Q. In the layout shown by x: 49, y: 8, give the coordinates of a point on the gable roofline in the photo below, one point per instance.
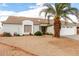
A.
x: 19, y: 19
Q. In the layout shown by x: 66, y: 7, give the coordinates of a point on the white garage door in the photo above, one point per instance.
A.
x: 28, y: 28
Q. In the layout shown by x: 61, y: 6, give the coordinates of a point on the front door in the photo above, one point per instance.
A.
x: 43, y: 29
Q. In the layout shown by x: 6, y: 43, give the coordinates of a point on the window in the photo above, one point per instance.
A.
x: 27, y: 28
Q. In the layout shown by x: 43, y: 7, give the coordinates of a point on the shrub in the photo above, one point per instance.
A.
x: 30, y: 34
x: 38, y: 33
x: 15, y: 34
x: 6, y: 34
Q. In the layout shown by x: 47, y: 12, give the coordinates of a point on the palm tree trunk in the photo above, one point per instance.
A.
x: 57, y: 27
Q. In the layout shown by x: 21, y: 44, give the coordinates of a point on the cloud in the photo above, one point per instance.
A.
x: 39, y: 4
x: 4, y: 5
x: 32, y: 7
x: 31, y: 13
x: 4, y: 14
x: 3, y: 18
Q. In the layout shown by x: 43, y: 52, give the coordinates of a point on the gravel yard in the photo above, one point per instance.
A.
x: 39, y: 45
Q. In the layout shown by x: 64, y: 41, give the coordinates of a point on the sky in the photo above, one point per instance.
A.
x: 17, y: 7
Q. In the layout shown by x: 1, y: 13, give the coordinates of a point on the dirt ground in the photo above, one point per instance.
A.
x: 7, y: 50
x: 39, y: 45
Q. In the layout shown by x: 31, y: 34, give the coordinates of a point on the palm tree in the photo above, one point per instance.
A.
x: 58, y: 11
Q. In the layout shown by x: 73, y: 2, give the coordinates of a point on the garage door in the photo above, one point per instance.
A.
x: 28, y: 28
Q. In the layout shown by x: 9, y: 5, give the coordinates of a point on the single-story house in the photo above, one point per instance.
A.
x: 27, y: 25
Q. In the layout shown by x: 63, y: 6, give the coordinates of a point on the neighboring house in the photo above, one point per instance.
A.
x: 26, y: 25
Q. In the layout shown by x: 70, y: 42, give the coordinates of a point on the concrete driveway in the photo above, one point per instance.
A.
x: 76, y: 37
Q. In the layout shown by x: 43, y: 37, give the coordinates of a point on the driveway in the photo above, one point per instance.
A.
x: 76, y: 37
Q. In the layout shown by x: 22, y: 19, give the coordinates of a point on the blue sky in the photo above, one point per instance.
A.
x: 23, y: 6
x: 16, y: 6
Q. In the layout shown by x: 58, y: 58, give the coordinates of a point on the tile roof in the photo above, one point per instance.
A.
x: 18, y: 20
x: 36, y: 21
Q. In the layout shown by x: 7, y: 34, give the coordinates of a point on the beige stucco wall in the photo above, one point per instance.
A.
x: 64, y: 30
x: 36, y: 28
x: 12, y: 28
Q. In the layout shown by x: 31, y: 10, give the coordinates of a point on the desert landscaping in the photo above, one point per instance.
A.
x: 45, y: 45
x: 11, y: 51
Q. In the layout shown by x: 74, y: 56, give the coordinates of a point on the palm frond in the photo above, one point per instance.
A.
x: 48, y: 10
x: 48, y: 5
x: 70, y: 19
x: 61, y: 10
x: 43, y: 10
x: 73, y: 11
x: 65, y: 5
x: 60, y: 7
x: 66, y: 21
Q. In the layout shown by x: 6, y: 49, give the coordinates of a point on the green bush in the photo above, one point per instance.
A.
x: 5, y: 34
x: 38, y: 33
